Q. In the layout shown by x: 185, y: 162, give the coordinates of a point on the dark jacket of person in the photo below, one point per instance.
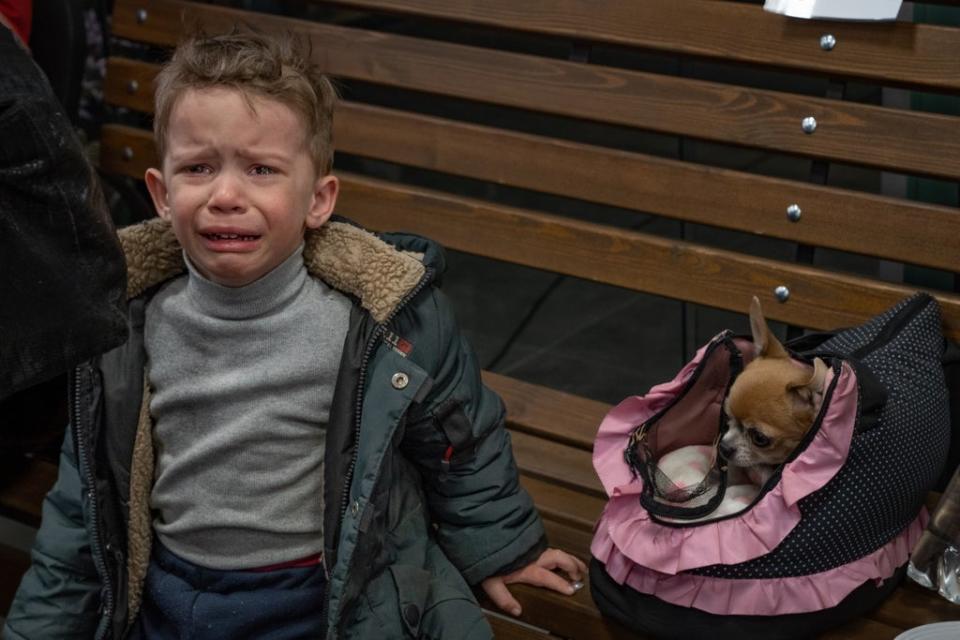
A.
x: 421, y: 490
x: 61, y: 268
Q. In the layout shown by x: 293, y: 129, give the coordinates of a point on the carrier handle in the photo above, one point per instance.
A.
x: 810, y: 342
x: 684, y: 513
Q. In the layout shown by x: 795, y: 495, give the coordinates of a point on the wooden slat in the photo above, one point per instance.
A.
x: 569, y: 616
x: 542, y: 411
x: 572, y: 539
x: 129, y: 83
x: 884, y: 227
x: 901, y: 53
x: 714, y: 277
x: 127, y: 150
x: 911, y: 606
x: 505, y: 630
x: 562, y: 504
x: 552, y: 462
x: 862, y: 134
x: 873, y: 225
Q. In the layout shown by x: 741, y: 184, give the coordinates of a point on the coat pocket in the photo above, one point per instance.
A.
x: 410, y: 602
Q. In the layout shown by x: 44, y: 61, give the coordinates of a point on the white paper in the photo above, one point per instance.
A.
x: 836, y: 9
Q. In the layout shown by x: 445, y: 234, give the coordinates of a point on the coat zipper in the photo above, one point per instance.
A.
x: 361, y: 380
x: 96, y: 547
x: 357, y: 411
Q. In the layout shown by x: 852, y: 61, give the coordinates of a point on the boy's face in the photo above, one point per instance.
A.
x: 238, y: 185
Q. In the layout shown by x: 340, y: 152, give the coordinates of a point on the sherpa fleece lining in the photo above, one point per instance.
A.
x: 346, y: 257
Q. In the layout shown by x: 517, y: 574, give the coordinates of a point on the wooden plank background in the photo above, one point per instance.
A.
x: 719, y: 278
x: 909, y: 54
x: 876, y: 225
x: 913, y: 142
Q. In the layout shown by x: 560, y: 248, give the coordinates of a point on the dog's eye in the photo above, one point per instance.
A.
x: 758, y: 438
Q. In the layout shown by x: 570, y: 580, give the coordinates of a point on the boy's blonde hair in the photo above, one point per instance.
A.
x: 256, y: 65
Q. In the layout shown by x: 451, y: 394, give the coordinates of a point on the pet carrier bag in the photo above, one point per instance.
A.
x: 824, y: 539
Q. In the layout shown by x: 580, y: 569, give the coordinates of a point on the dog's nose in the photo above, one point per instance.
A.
x: 725, y: 451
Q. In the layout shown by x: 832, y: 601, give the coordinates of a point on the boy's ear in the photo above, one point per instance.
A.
x: 158, y: 192
x: 325, y: 191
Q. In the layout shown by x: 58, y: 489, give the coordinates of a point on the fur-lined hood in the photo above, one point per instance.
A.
x: 346, y: 257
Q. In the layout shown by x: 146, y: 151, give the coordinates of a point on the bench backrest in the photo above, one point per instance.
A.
x: 595, y: 117
x: 581, y: 107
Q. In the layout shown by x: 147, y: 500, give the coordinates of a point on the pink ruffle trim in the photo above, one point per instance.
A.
x: 772, y: 596
x: 626, y: 530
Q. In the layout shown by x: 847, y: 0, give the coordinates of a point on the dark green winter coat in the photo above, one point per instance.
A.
x: 421, y: 493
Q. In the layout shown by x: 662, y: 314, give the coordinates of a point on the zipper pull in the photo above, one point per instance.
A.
x: 447, y: 456
x: 445, y: 463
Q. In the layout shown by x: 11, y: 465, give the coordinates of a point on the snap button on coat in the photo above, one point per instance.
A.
x: 400, y: 380
x: 412, y: 614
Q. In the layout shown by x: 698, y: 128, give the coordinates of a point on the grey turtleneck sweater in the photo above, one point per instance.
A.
x: 242, y: 382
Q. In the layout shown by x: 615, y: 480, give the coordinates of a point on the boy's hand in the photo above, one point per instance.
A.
x: 540, y: 574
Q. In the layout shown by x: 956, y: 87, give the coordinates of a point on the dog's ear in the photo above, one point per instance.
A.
x: 767, y: 345
x: 806, y: 392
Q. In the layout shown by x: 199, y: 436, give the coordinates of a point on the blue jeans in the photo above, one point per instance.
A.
x: 182, y: 600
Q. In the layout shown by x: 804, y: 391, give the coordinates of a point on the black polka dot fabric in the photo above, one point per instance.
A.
x: 891, y: 466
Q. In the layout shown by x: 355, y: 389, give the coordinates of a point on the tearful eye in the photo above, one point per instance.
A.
x: 261, y: 170
x: 758, y: 439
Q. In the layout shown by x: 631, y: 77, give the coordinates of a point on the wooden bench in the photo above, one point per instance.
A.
x: 545, y: 134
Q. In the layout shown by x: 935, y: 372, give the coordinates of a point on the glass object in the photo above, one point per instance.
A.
x: 935, y: 561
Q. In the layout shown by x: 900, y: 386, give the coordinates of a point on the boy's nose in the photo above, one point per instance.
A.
x: 227, y: 195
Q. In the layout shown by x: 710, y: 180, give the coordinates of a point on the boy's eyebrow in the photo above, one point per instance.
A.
x: 176, y: 159
x: 199, y: 151
x: 182, y: 151
x: 264, y: 155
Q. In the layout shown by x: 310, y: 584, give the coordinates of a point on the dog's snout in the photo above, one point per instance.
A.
x: 726, y: 451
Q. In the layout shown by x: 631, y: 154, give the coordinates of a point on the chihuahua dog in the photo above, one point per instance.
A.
x: 771, y: 405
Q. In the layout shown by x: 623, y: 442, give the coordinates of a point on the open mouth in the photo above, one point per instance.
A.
x: 229, y: 236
